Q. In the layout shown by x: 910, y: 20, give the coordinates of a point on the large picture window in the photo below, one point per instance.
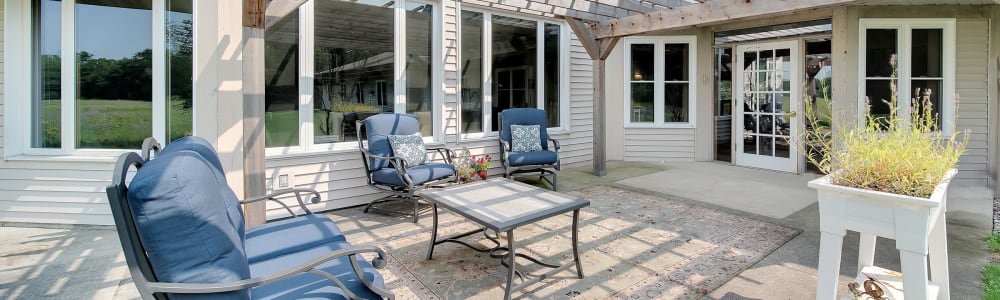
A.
x: 509, y: 62
x: 115, y: 78
x: 336, y: 62
x: 920, y: 53
x: 659, y: 89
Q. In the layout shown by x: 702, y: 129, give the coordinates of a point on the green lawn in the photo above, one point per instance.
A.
x: 116, y: 124
x: 991, y: 273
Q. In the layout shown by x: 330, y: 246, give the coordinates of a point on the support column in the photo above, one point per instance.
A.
x: 600, y: 143
x: 598, y: 51
x: 218, y: 80
x: 253, y: 111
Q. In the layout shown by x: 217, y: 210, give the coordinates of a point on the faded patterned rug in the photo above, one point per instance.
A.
x: 633, y: 245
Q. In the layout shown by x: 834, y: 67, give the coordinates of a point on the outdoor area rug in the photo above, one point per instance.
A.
x: 633, y: 245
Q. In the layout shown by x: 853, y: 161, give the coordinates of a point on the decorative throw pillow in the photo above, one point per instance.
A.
x: 409, y: 147
x: 525, y: 138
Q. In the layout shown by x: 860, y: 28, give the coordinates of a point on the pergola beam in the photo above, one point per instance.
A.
x: 278, y: 9
x: 708, y: 13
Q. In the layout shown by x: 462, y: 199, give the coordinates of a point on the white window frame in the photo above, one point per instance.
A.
x: 18, y: 57
x: 658, y: 81
x: 397, y: 97
x: 487, y: 69
x: 904, y: 33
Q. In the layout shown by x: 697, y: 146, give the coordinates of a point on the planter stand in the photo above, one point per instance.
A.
x: 917, y: 225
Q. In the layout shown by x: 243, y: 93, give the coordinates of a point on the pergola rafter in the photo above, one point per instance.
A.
x: 706, y: 13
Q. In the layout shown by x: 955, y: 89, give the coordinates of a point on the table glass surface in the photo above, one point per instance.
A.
x: 503, y: 204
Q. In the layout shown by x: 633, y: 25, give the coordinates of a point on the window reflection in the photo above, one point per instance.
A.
x: 419, y: 94
x: 472, y: 70
x: 47, y: 104
x: 515, y: 47
x: 180, y: 36
x: 114, y: 83
x: 281, y: 88
x: 353, y: 67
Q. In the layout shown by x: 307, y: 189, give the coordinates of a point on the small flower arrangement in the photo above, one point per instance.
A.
x: 471, y: 166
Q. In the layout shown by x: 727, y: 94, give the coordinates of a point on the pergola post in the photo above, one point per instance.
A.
x: 253, y: 111
x: 598, y: 51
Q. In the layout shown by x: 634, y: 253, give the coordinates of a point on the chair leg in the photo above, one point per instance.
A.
x: 416, y: 205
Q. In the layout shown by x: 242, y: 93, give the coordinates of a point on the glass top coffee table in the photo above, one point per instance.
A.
x: 503, y: 205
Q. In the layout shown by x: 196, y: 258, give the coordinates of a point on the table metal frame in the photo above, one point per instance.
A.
x: 508, y: 258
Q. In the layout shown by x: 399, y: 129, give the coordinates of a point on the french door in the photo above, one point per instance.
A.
x: 767, y: 90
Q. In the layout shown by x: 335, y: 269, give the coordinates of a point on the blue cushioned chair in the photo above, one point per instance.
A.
x: 542, y: 163
x: 183, y: 235
x: 389, y: 173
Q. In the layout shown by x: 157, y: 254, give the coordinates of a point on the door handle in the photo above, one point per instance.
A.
x: 792, y: 114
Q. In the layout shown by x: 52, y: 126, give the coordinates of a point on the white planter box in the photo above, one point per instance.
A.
x: 917, y: 225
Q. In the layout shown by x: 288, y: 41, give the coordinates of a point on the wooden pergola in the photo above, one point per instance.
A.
x: 598, y: 25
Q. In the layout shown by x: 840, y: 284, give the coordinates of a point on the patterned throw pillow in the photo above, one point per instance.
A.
x: 410, y: 148
x: 525, y: 138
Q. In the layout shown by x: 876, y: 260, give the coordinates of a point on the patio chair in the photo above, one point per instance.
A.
x: 183, y: 236
x: 524, y: 146
x: 395, y: 160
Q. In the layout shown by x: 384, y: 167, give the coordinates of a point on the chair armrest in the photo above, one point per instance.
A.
x: 555, y: 143
x: 443, y: 150
x: 396, y: 161
x: 204, y: 288
x: 298, y: 196
x: 504, y: 153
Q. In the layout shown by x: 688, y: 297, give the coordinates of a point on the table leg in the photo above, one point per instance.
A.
x: 434, y: 231
x: 866, y: 250
x: 510, y: 259
x: 576, y: 250
x: 829, y: 264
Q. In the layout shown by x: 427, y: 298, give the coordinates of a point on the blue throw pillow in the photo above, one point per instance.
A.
x: 525, y: 138
x: 410, y: 148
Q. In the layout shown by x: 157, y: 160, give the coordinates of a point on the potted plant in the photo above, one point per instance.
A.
x: 886, y: 177
x: 482, y: 165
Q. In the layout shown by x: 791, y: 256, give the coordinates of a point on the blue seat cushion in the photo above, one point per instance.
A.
x: 544, y: 157
x: 312, y: 286
x: 419, y: 175
x: 196, y: 144
x: 290, y: 235
x: 184, y: 213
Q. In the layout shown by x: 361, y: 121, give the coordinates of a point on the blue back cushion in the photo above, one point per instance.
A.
x: 524, y: 116
x: 184, y: 212
x: 380, y: 127
x: 196, y: 144
x: 204, y: 148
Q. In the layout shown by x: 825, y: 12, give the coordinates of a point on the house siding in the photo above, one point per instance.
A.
x: 971, y: 59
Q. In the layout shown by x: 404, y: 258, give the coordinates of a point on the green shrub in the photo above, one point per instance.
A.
x: 353, y: 107
x: 892, y: 154
x: 994, y: 242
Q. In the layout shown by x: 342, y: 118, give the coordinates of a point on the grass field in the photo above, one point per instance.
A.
x: 112, y: 124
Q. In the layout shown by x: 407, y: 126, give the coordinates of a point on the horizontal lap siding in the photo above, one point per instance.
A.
x: 659, y: 144
x: 972, y: 46
x: 55, y: 192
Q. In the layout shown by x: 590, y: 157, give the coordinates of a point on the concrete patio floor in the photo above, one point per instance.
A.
x: 86, y: 262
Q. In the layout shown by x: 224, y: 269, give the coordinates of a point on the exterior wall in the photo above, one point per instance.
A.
x: 43, y: 189
x: 339, y: 175
x: 69, y: 189
x: 972, y: 69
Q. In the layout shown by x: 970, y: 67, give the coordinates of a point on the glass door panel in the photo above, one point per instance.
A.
x: 767, y: 109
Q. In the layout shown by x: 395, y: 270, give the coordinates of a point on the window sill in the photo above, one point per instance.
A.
x: 661, y: 126
x: 88, y: 157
